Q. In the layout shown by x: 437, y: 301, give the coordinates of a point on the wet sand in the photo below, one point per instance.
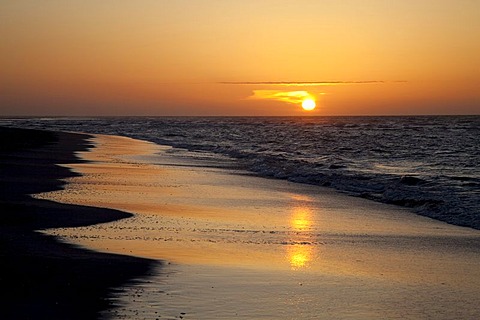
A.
x: 40, y: 277
x: 243, y: 247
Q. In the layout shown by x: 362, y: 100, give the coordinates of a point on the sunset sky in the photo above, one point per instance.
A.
x: 248, y: 57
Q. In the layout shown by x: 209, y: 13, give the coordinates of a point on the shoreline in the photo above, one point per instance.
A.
x: 44, y: 278
x: 441, y: 186
x: 225, y: 234
x: 251, y: 235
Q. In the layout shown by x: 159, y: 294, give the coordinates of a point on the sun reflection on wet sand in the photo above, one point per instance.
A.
x: 300, y: 256
x: 301, y: 219
x: 300, y: 252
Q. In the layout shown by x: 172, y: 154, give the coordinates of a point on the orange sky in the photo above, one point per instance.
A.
x: 216, y: 57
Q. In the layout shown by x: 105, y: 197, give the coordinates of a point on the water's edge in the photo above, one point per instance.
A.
x: 428, y: 164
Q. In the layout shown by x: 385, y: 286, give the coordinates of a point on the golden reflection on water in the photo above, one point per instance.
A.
x: 300, y: 256
x: 301, y: 219
x: 300, y: 252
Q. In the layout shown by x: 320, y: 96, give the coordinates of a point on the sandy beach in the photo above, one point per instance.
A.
x: 42, y: 278
x: 239, y: 246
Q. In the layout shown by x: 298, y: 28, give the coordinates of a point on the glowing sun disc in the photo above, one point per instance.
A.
x: 308, y: 104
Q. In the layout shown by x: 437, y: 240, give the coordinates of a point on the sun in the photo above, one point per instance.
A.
x: 308, y: 104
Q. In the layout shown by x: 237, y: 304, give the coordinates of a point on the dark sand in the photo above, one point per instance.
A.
x: 40, y: 277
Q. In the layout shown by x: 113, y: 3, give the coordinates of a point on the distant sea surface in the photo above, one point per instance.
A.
x: 428, y: 163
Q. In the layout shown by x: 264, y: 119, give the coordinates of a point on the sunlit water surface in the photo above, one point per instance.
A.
x: 430, y: 164
x: 235, y: 246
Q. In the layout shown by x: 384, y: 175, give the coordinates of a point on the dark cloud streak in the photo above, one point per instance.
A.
x: 303, y: 83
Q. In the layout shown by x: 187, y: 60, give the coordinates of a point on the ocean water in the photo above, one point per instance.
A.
x: 430, y: 164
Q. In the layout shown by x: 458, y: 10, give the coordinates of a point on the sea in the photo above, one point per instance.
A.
x: 430, y: 164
